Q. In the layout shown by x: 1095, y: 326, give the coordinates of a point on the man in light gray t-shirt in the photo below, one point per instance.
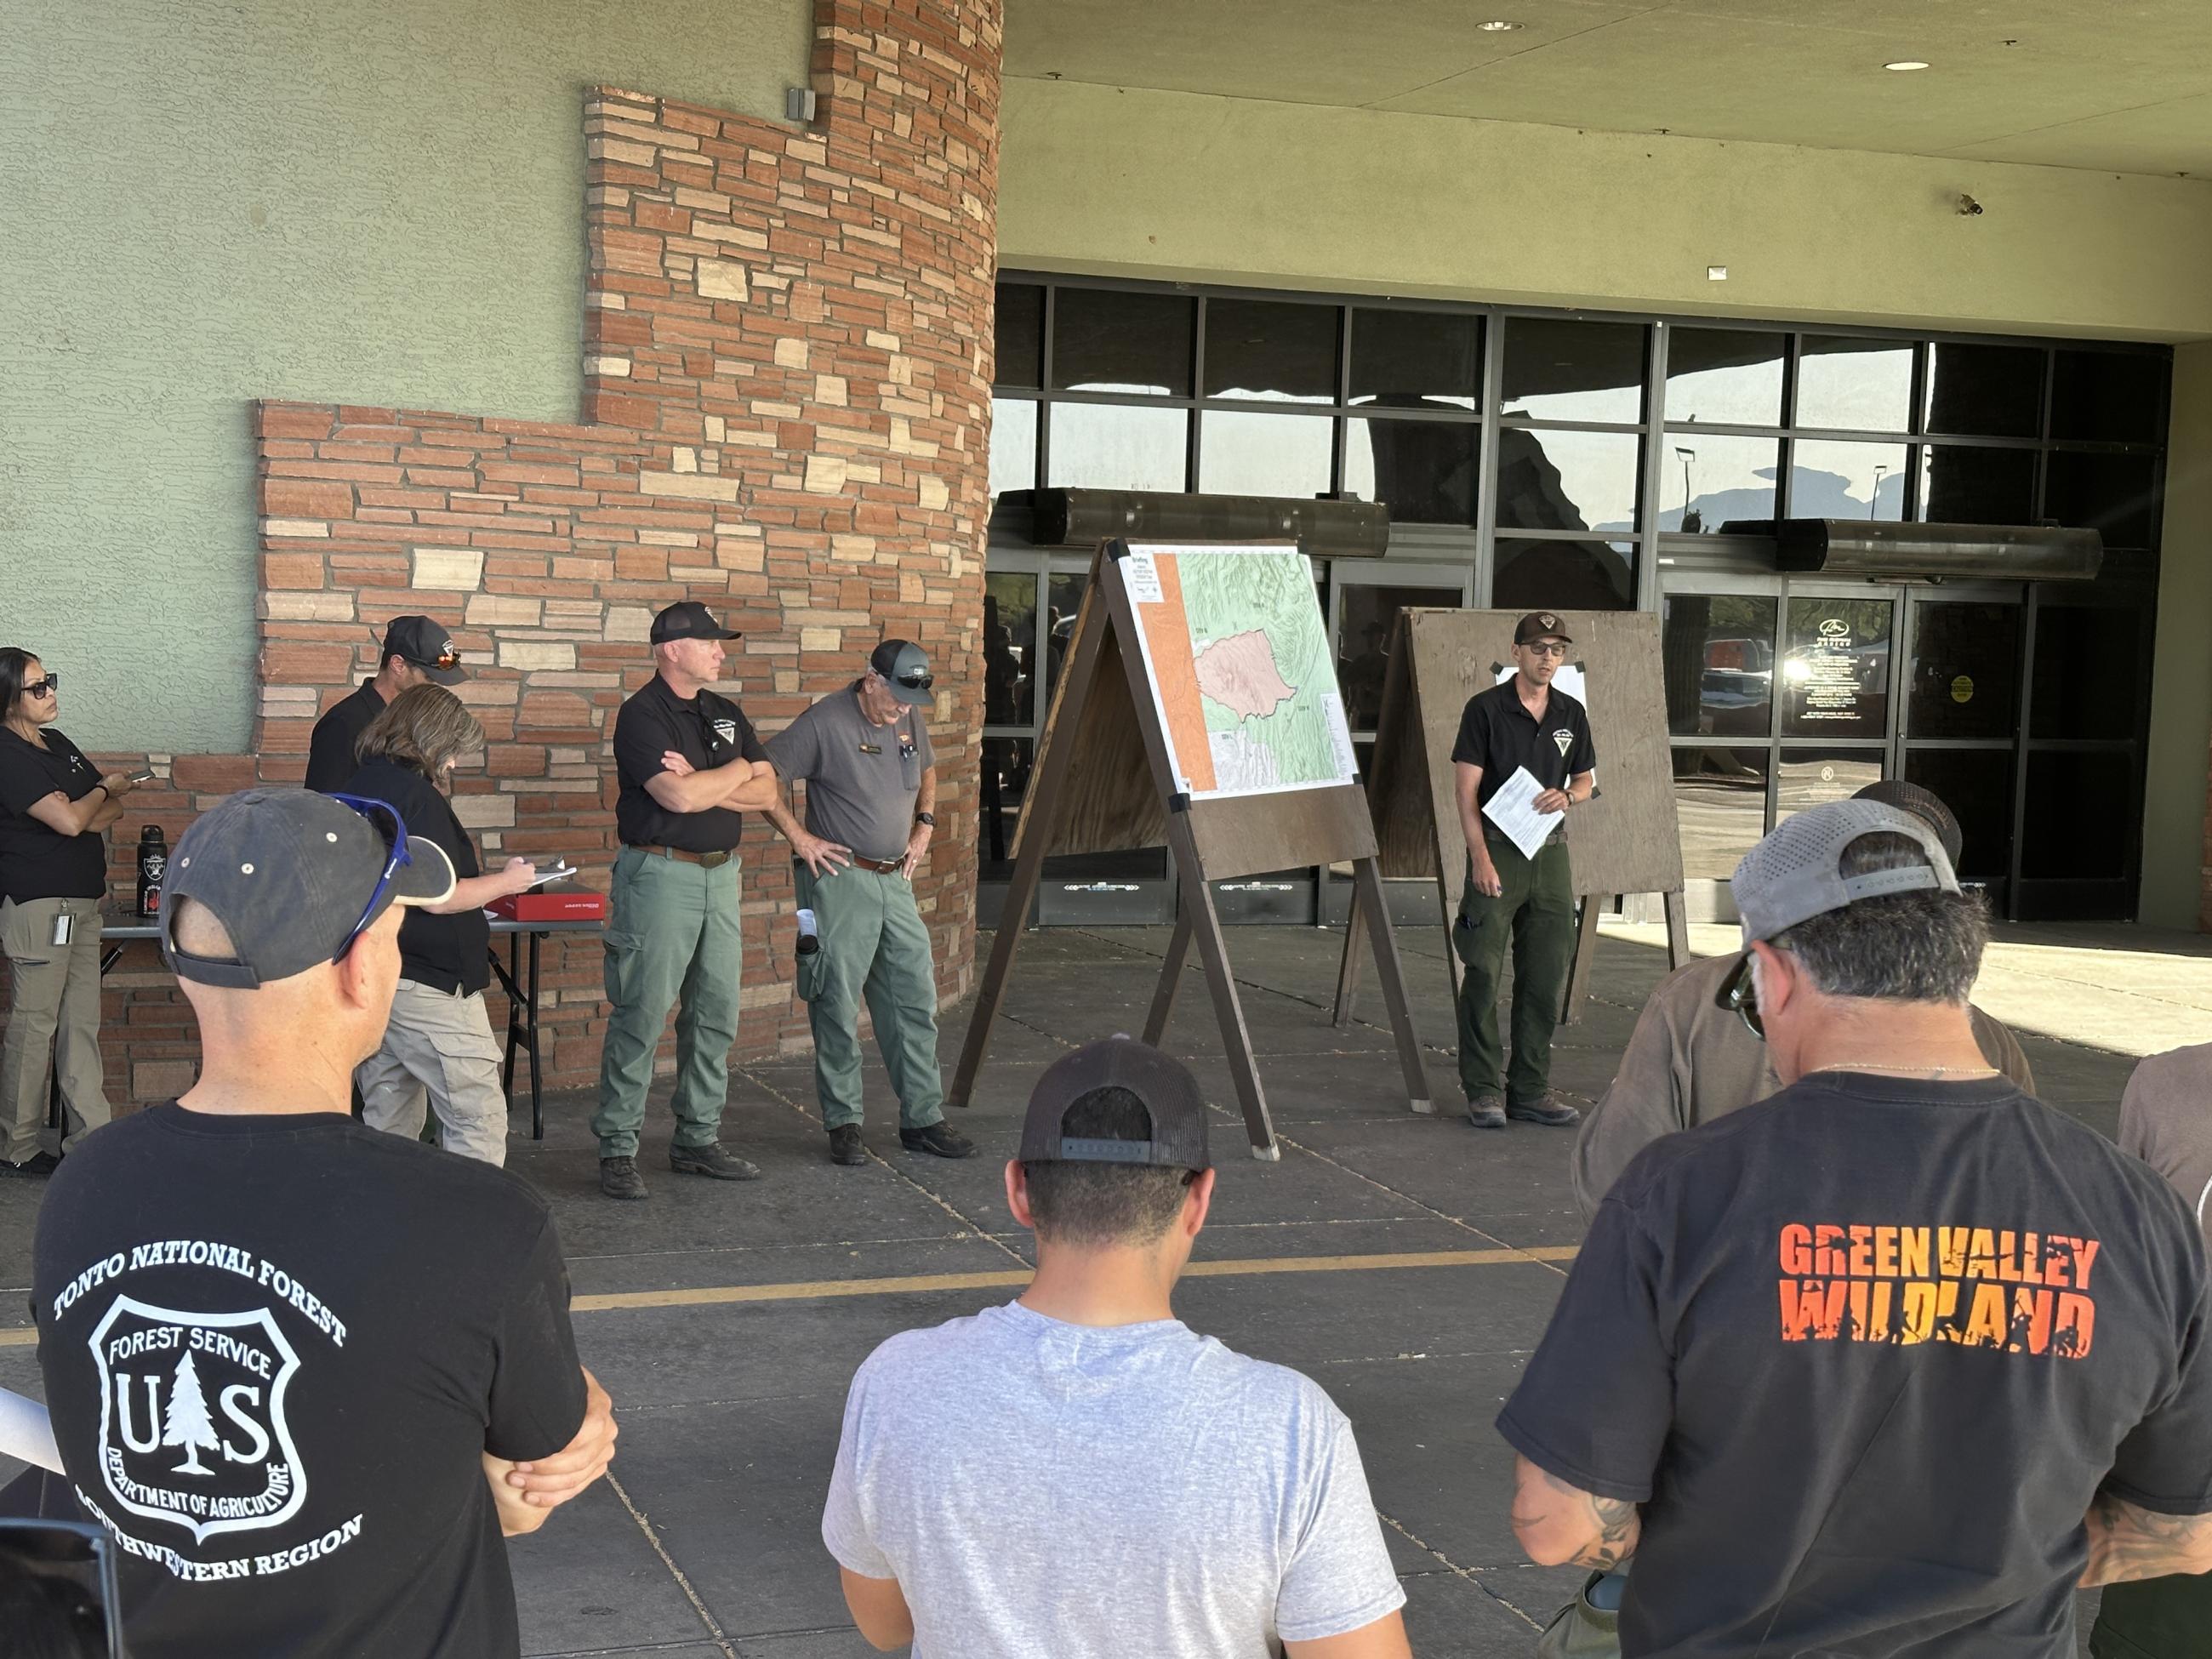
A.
x: 1117, y: 1484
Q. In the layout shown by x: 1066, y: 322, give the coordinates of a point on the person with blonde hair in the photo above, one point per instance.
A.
x: 439, y: 1046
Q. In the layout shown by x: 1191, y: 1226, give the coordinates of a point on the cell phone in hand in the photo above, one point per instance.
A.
x: 144, y: 776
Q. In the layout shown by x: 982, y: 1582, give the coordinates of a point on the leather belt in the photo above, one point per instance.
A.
x: 704, y: 860
x: 881, y: 867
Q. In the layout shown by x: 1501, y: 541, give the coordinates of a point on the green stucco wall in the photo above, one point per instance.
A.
x: 206, y: 203
x: 2181, y: 663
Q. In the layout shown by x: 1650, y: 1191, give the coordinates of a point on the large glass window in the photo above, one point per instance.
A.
x: 1830, y: 478
x: 2087, y: 658
x: 1549, y: 479
x: 1966, y: 671
x: 1720, y: 804
x: 1272, y: 350
x: 1118, y: 446
x: 1984, y: 391
x: 1719, y: 664
x: 2107, y: 493
x: 1423, y: 471
x: 1564, y: 576
x: 1835, y: 669
x: 1013, y: 444
x: 1976, y: 784
x: 1244, y: 453
x: 1415, y: 359
x: 1110, y: 340
x: 1557, y: 369
x: 1707, y: 480
x: 1855, y: 385
x: 1724, y: 376
x: 1814, y: 777
x: 2068, y: 830
x: 1368, y: 616
x: 1976, y: 485
x: 1010, y: 648
x: 1020, y: 335
x: 2108, y: 396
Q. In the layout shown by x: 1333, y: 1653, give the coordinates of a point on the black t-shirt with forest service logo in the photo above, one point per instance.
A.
x: 275, y: 1348
x: 1865, y: 1353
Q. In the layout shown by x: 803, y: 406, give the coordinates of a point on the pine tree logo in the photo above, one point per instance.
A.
x: 187, y: 1423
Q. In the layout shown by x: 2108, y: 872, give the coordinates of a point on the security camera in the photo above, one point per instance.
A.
x: 1968, y: 207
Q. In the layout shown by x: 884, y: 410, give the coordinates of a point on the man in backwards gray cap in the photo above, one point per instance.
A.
x: 301, y: 1369
x: 1891, y: 1361
x: 998, y: 1476
x: 871, y: 776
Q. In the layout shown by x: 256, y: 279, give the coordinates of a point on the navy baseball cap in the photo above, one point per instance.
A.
x: 291, y: 875
x: 687, y: 619
x: 421, y: 642
x: 1170, y: 1092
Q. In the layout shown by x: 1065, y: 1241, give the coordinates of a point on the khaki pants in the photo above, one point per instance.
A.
x: 438, y: 1045
x: 53, y: 1015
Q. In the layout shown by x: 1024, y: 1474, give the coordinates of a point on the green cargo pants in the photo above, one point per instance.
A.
x: 1534, y: 911
x: 874, y: 945
x: 672, y: 933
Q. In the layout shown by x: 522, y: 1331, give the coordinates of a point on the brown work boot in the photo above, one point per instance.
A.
x: 1547, y: 1111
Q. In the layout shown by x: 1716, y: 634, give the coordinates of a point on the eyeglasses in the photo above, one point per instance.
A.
x: 1547, y: 647
x: 1739, y: 997
x: 389, y: 825
x: 44, y: 688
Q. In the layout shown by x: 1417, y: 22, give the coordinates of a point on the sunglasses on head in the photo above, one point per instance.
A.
x: 1739, y: 997
x: 915, y: 679
x: 44, y: 688
x: 448, y: 658
x: 386, y: 819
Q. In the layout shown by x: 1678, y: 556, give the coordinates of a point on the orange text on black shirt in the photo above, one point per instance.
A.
x: 1986, y: 1287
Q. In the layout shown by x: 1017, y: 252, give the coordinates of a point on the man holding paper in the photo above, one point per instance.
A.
x: 1522, y: 760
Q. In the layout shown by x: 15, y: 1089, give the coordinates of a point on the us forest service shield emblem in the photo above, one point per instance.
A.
x: 191, y: 1417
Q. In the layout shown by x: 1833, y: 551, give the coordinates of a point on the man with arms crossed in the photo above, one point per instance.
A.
x: 1115, y: 1484
x: 1886, y: 1364
x: 691, y: 767
x: 871, y: 776
x: 1691, y: 1060
x: 307, y: 1374
x: 1512, y: 901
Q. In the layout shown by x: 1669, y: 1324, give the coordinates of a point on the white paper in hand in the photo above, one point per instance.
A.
x: 1513, y: 810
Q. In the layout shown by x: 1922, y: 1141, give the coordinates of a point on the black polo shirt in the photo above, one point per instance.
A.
x: 1496, y: 734
x: 447, y: 953
x: 330, y: 759
x: 708, y: 731
x: 37, y: 862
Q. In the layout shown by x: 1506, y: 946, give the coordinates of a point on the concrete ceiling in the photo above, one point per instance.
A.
x: 2122, y: 85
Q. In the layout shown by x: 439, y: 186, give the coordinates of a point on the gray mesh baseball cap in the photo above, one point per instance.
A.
x: 1169, y: 1090
x: 289, y: 873
x: 1795, y: 873
x: 905, y: 669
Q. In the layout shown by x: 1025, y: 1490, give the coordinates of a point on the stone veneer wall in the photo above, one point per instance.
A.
x: 787, y: 338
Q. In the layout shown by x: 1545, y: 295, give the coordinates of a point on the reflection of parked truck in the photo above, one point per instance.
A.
x: 1737, y: 686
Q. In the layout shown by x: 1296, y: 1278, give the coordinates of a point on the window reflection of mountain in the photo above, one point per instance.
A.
x: 1424, y: 470
x: 1590, y: 575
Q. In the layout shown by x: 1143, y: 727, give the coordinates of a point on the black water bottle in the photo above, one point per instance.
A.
x: 152, y: 865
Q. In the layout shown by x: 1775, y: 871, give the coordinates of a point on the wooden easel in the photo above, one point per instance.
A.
x: 1625, y: 841
x: 1105, y: 782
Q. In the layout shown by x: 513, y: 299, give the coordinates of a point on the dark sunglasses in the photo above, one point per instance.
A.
x: 1738, y: 997
x: 448, y: 658
x: 386, y: 819
x: 43, y: 688
x: 74, y: 1561
x: 916, y: 679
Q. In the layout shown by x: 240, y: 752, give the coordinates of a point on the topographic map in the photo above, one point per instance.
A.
x: 1239, y: 663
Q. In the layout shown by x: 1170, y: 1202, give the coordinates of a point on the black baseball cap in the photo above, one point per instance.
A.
x: 289, y: 874
x: 1924, y: 804
x: 687, y: 619
x: 423, y: 642
x: 905, y: 669
x: 1167, y: 1088
x: 1540, y: 625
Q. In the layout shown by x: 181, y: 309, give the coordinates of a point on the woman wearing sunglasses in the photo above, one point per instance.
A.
x: 54, y: 804
x: 439, y: 1043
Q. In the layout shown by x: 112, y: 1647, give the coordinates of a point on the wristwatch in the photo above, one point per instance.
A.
x: 929, y: 819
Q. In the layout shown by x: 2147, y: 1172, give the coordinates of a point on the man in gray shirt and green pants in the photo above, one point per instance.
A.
x: 871, y: 776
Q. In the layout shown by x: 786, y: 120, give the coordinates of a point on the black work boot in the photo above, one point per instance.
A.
x: 1547, y: 1111
x: 1487, y: 1111
x: 711, y: 1160
x: 618, y: 1178
x: 846, y: 1146
x: 939, y: 1137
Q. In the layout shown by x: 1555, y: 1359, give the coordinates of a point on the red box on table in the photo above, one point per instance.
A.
x: 555, y: 903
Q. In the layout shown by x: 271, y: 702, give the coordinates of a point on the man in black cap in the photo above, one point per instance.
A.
x: 1691, y: 1060
x: 1891, y: 1361
x: 1095, y: 1430
x: 416, y: 652
x: 1524, y: 723
x: 871, y: 780
x: 307, y: 1374
x: 691, y: 767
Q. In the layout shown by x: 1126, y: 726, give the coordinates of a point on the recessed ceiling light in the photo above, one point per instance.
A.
x: 1903, y: 63
x: 1498, y: 26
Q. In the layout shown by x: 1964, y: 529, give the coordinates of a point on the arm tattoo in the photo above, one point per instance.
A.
x: 2126, y: 1542
x: 1612, y: 1524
